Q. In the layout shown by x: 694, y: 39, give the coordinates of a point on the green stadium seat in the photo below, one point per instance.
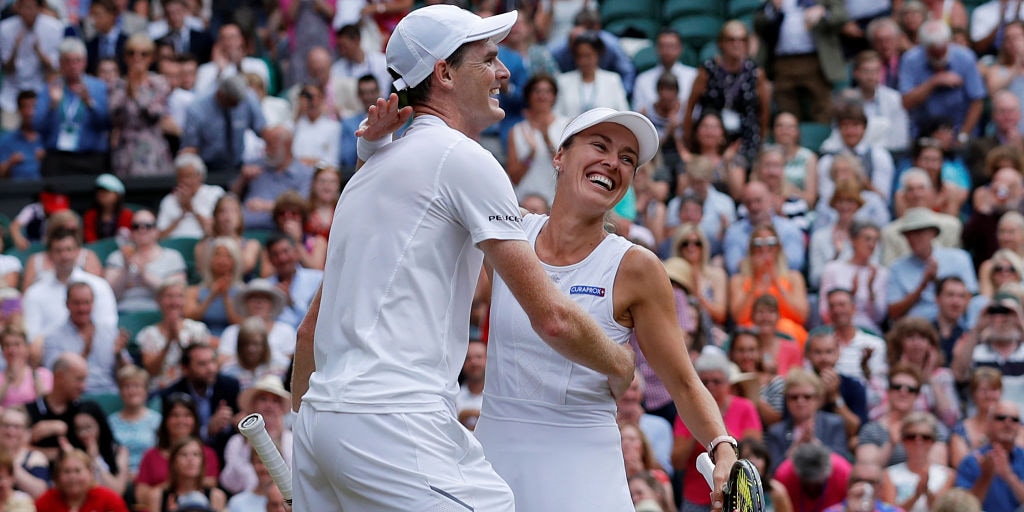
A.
x: 109, y: 402
x: 103, y: 248
x: 813, y: 134
x: 612, y: 10
x: 260, y: 235
x: 674, y: 10
x: 708, y: 51
x: 23, y: 255
x: 187, y: 248
x: 633, y: 27
x: 698, y: 30
x: 741, y: 8
x: 135, y: 321
x: 645, y: 59
x: 690, y: 56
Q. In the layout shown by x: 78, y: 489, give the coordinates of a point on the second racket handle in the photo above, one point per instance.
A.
x: 707, y: 468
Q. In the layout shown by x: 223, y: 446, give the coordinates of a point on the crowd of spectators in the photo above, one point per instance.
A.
x: 853, y: 300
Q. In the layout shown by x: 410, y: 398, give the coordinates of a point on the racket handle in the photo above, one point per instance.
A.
x: 706, y: 468
x: 255, y: 430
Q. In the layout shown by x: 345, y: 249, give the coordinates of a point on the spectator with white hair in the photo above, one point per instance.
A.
x: 187, y: 211
x: 918, y: 192
x: 938, y: 79
x: 259, y: 184
x: 216, y: 123
x: 884, y: 37
x: 72, y: 117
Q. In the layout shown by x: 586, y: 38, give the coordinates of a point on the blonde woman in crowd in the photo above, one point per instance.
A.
x: 20, y: 382
x: 162, y: 343
x: 710, y: 282
x: 212, y: 300
x: 228, y: 222
x: 135, y: 425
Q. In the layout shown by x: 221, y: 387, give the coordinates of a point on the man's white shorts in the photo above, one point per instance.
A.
x: 425, y: 462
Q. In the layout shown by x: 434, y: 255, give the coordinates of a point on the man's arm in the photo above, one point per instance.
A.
x: 643, y: 282
x: 303, y: 363
x: 973, y: 115
x: 559, y: 321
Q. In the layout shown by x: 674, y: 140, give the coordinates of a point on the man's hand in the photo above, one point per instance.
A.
x: 948, y: 79
x: 1001, y: 462
x: 220, y: 419
x: 931, y: 269
x: 830, y: 379
x: 383, y: 118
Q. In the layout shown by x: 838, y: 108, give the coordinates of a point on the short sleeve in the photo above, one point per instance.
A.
x: 968, y: 472
x: 115, y: 260
x: 150, y: 340
x: 479, y: 194
x: 873, y: 433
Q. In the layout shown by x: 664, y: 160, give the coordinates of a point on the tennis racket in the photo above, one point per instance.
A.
x: 743, y: 491
x: 255, y: 430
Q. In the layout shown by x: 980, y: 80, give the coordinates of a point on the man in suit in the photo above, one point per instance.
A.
x: 108, y: 41
x: 803, y: 55
x: 215, y: 394
x: 182, y: 38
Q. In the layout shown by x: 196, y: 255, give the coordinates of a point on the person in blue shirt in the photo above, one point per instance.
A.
x: 216, y: 123
x: 993, y: 473
x: 72, y: 117
x: 22, y: 150
x: 368, y: 90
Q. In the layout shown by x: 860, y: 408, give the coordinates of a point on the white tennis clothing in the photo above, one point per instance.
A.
x: 393, y: 329
x: 548, y: 424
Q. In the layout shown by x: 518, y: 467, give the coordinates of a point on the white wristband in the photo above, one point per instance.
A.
x: 365, y: 148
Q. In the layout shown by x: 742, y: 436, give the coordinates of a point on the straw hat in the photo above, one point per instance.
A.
x: 267, y: 384
x: 260, y: 287
x: 680, y: 272
x: 916, y: 219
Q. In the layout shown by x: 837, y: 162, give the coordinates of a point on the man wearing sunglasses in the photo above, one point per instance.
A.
x: 759, y: 203
x: 995, y: 473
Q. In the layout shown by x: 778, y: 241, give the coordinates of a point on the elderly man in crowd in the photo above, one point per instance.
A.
x: 215, y: 124
x: 995, y: 472
x: 940, y: 79
x: 99, y: 343
x: 259, y: 184
x: 187, y: 211
x: 912, y: 278
x: 918, y: 192
x: 72, y: 117
x: 996, y: 341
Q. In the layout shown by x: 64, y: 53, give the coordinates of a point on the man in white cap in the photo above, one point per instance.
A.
x: 912, y: 278
x: 398, y: 288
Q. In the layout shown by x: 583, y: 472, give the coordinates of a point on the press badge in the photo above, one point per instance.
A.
x: 67, y: 139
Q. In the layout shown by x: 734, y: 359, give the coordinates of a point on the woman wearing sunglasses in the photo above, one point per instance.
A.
x: 138, y: 268
x: 710, y: 282
x: 138, y: 105
x: 1005, y: 266
x: 881, y: 440
x: 763, y: 271
x: 914, y: 341
x: 917, y: 482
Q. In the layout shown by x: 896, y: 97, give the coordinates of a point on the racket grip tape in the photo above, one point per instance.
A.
x: 254, y: 429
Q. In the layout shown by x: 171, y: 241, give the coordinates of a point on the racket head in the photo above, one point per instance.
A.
x: 743, y: 491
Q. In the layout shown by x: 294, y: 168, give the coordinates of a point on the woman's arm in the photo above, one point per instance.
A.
x: 810, y: 193
x: 29, y: 276
x: 92, y: 263
x: 794, y: 300
x: 26, y: 481
x: 958, y: 449
x: 250, y: 255
x: 718, y: 306
x: 700, y: 86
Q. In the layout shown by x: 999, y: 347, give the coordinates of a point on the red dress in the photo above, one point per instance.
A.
x: 98, y: 499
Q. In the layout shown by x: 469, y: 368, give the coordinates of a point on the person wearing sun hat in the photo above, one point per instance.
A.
x: 268, y: 398
x: 414, y: 268
x: 912, y: 278
x: 264, y: 300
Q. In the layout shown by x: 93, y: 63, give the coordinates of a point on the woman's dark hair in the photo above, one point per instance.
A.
x: 692, y: 137
x: 169, y: 403
x: 115, y: 214
x: 758, y: 449
x: 536, y: 80
x: 106, y: 442
x: 591, y: 38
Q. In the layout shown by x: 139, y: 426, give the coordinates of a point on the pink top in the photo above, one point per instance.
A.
x: 154, y: 467
x: 25, y: 391
x: 741, y: 416
x: 835, y: 486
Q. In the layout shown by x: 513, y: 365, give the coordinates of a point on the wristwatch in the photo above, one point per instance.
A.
x: 719, y: 440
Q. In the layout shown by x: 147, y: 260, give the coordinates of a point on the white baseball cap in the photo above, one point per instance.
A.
x: 642, y: 128
x: 431, y: 34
